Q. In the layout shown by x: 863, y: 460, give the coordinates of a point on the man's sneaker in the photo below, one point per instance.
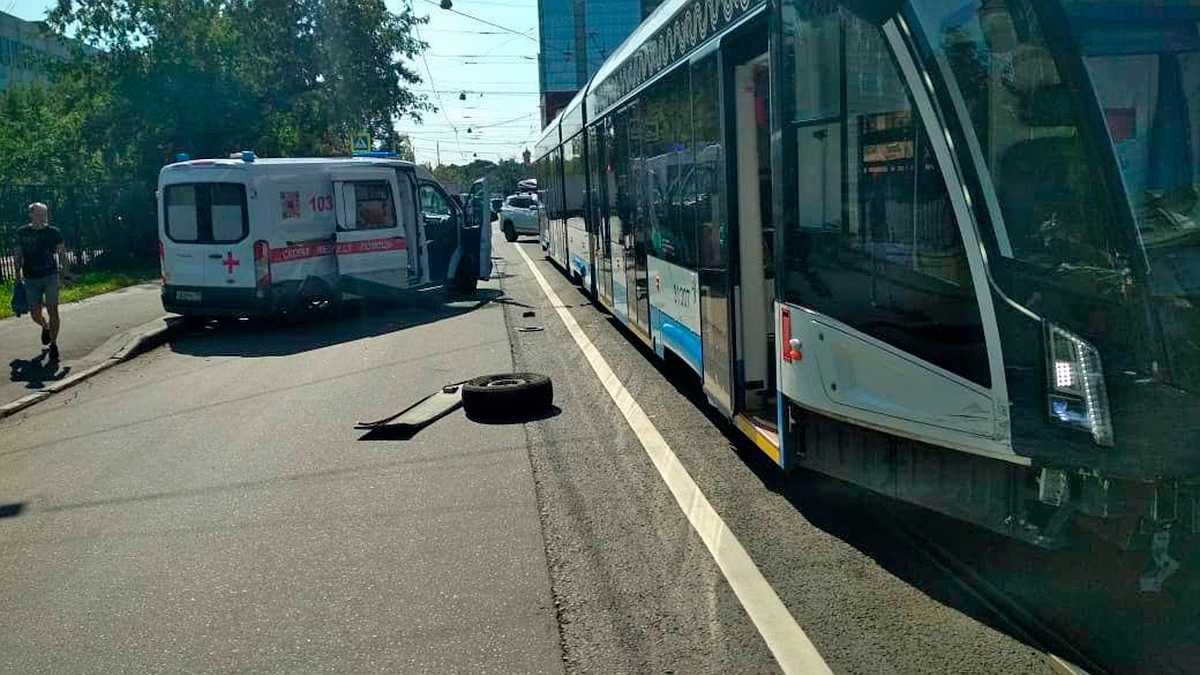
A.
x: 54, y: 352
x: 45, y: 336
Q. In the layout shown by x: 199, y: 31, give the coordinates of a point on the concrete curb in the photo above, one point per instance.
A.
x: 123, y: 347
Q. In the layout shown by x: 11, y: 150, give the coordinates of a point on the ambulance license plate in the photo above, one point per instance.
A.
x: 188, y: 296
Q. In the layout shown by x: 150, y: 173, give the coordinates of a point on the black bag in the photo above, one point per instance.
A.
x: 20, y: 301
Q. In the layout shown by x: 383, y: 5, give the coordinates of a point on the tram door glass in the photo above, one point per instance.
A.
x: 631, y: 185
x: 597, y: 220
x: 875, y: 243
x: 712, y: 233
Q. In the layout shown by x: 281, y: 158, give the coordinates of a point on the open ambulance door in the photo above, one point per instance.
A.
x: 374, y: 236
x: 475, y: 241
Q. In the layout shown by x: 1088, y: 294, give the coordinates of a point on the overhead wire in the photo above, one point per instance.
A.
x: 431, y: 132
x: 483, y: 21
x: 429, y: 71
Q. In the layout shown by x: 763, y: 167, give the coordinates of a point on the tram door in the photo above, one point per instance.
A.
x: 754, y: 297
x: 736, y: 280
x: 635, y: 236
x: 712, y: 226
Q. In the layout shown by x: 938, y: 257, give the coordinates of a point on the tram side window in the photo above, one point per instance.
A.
x: 573, y: 180
x: 1050, y: 190
x: 544, y: 172
x: 668, y: 171
x: 621, y: 210
x: 875, y: 243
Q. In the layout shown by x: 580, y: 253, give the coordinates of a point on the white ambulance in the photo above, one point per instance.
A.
x: 250, y: 236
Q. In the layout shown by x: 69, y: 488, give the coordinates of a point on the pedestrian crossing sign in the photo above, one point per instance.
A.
x: 360, y: 142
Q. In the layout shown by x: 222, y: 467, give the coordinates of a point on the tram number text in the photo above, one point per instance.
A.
x: 683, y: 295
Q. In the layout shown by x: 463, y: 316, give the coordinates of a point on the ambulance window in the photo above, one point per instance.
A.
x: 226, y: 212
x: 433, y: 203
x: 206, y: 213
x: 181, y: 216
x: 374, y: 205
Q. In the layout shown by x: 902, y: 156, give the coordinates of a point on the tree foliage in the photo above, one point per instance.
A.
x: 210, y: 77
x: 504, y: 175
x: 151, y: 78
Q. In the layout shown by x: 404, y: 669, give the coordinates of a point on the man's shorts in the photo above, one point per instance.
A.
x: 42, y: 291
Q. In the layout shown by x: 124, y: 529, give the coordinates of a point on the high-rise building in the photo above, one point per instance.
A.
x: 576, y: 36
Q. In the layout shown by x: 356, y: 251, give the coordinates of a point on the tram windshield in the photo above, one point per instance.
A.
x: 1043, y: 99
x: 1144, y: 64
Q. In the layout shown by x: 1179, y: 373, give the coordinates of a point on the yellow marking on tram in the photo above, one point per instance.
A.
x: 762, y: 440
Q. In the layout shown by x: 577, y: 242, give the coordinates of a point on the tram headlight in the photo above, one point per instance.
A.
x: 1077, y: 393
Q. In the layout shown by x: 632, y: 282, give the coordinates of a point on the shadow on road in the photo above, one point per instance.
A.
x: 1086, y: 594
x: 263, y: 338
x: 35, y: 373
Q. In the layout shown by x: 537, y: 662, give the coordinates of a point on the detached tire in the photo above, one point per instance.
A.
x: 507, y: 396
x: 510, y: 231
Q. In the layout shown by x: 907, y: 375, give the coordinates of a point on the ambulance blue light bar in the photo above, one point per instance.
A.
x: 375, y: 153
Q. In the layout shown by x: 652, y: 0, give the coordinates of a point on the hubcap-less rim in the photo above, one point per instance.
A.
x: 508, y: 382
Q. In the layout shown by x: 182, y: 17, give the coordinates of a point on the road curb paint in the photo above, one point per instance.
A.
x: 789, y: 644
x: 140, y: 340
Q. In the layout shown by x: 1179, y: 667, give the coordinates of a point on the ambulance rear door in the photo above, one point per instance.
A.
x: 372, y: 239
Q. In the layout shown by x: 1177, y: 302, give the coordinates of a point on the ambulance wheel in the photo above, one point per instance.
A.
x: 316, y: 300
x: 465, y: 279
x: 507, y: 396
x: 510, y: 232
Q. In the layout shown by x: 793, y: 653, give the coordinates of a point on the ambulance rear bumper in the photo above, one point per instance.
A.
x: 209, y: 301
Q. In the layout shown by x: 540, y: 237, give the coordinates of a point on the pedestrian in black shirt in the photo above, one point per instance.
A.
x: 40, y: 256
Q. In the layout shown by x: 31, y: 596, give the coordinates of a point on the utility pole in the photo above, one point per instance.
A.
x: 439, y: 152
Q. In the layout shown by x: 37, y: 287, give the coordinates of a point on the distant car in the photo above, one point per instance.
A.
x: 519, y: 215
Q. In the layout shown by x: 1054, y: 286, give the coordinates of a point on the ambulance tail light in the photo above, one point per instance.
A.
x: 1077, y: 393
x: 262, y: 267
x: 162, y: 262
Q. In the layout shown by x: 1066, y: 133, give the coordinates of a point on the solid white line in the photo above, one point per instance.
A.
x: 792, y: 649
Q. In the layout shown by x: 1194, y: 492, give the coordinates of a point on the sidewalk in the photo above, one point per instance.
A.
x: 86, y: 326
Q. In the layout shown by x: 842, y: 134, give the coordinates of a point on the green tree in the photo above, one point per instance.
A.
x: 212, y: 77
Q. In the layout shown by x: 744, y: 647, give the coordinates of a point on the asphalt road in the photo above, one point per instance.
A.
x: 209, y: 507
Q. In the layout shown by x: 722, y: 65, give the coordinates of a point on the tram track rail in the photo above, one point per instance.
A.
x: 1061, y: 654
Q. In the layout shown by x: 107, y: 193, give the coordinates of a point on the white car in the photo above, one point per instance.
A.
x: 519, y: 215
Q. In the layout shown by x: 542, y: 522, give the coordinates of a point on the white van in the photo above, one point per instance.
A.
x: 261, y: 237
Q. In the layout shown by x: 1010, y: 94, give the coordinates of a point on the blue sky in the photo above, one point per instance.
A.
x: 497, y: 69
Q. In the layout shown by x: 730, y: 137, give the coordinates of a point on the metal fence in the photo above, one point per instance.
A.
x: 110, y: 225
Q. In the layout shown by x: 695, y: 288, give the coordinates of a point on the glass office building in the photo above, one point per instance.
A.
x: 576, y: 36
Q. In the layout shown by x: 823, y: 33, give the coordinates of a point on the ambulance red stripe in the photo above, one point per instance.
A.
x: 304, y: 251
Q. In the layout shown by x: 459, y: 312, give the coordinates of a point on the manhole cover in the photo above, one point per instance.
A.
x: 531, y: 329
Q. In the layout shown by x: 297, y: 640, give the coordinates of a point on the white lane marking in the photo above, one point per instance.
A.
x: 792, y: 649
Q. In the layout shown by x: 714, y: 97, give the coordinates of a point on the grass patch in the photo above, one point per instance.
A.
x: 87, y: 284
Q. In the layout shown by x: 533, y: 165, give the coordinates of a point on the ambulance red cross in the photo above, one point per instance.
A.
x: 250, y: 236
